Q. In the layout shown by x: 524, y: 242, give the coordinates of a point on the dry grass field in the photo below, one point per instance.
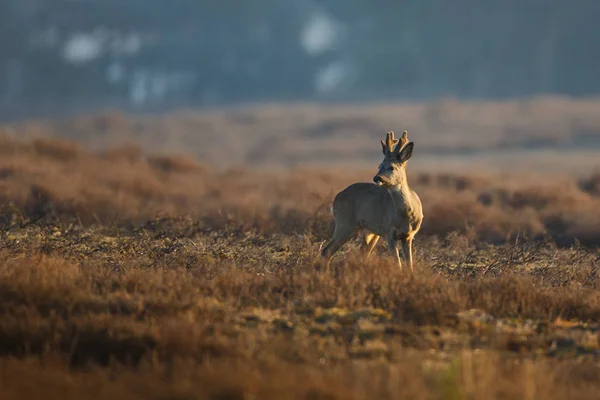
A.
x: 134, y: 272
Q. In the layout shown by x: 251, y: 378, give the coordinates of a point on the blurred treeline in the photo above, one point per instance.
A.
x: 68, y: 55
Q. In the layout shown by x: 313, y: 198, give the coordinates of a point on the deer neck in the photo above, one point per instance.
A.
x: 400, y: 191
x: 400, y: 184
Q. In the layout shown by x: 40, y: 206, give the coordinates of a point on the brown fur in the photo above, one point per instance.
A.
x: 388, y: 207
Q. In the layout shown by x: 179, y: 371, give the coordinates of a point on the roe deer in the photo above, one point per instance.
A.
x: 388, y: 207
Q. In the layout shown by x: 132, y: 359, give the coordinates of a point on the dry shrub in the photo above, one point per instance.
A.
x: 59, y: 180
x: 174, y: 164
x: 591, y: 184
x: 59, y: 150
x: 129, y: 152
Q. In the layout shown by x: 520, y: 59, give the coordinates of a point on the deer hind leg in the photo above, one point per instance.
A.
x: 407, y: 252
x: 341, y: 235
x: 393, y: 249
x: 369, y: 243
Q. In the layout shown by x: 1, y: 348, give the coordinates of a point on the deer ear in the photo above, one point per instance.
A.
x: 383, y: 147
x: 406, y: 152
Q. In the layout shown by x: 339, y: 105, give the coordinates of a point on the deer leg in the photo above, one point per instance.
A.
x: 393, y: 249
x: 407, y: 252
x: 341, y: 235
x: 369, y: 243
x: 372, y: 244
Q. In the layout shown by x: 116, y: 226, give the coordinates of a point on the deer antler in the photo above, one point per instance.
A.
x: 403, y: 141
x: 404, y: 138
x: 388, y: 145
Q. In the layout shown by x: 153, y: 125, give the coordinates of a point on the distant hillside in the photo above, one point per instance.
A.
x: 547, y: 133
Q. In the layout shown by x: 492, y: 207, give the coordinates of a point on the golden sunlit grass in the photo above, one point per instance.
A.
x: 126, y: 276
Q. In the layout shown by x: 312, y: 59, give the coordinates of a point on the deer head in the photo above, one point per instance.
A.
x: 392, y: 170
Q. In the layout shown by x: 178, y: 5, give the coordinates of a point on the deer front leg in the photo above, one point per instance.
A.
x: 393, y: 248
x: 407, y: 252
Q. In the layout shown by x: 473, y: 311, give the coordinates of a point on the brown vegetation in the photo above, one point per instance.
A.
x: 176, y: 309
x: 126, y: 276
x: 54, y: 179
